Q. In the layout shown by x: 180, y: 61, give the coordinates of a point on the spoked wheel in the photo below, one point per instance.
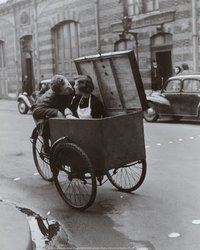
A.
x: 74, y: 176
x: 41, y: 159
x: 129, y: 177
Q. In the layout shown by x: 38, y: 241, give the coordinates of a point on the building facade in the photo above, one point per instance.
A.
x: 39, y: 38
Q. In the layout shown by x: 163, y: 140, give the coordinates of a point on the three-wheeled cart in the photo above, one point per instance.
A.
x: 83, y: 152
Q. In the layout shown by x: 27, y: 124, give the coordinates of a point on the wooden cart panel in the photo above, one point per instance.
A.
x: 109, y: 142
x: 117, y: 80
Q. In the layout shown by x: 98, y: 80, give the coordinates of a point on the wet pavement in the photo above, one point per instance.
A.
x: 163, y: 214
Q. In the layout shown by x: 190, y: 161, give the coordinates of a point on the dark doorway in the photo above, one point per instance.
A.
x: 164, y: 60
x: 27, y: 64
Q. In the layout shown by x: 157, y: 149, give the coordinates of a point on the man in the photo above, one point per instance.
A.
x: 185, y: 69
x: 52, y: 104
x: 156, y: 76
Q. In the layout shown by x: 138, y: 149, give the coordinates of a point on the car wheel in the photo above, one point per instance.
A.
x: 177, y: 118
x: 150, y: 114
x: 22, y: 107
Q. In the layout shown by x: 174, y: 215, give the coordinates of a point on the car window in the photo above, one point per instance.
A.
x: 191, y: 85
x: 173, y: 86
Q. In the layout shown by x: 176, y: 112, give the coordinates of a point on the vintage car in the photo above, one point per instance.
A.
x: 179, y: 97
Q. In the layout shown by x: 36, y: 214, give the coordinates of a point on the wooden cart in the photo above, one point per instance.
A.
x: 85, y: 151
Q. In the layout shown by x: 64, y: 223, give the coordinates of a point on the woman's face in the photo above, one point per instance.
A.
x: 176, y: 70
x: 77, y: 92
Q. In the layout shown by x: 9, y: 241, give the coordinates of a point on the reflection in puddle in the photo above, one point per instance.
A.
x: 43, y: 230
x: 45, y: 233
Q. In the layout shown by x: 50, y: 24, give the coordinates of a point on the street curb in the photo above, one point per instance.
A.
x: 14, y: 231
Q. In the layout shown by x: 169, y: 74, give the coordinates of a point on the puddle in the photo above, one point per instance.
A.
x: 46, y: 233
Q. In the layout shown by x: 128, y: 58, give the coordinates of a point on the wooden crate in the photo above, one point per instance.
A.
x: 110, y: 142
x: 117, y: 80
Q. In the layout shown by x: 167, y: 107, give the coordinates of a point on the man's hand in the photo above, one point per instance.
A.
x: 71, y: 117
x: 60, y: 115
x: 68, y: 112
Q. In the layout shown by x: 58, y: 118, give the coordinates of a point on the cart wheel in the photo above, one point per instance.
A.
x: 22, y: 108
x: 74, y: 176
x: 41, y: 159
x: 128, y: 178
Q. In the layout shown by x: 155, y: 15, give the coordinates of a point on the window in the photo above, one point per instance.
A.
x: 173, y: 86
x: 191, y: 85
x: 66, y: 48
x: 136, y: 7
x: 2, y: 55
x: 150, y: 5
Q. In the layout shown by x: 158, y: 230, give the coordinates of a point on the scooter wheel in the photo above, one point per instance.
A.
x: 22, y: 107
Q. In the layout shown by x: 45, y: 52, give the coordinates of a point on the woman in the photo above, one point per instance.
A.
x: 177, y: 70
x: 85, y: 105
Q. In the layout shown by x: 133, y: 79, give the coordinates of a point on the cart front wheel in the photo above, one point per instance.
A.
x: 129, y: 177
x: 41, y: 159
x: 74, y: 176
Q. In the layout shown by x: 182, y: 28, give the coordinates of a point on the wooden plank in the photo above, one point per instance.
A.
x: 118, y: 78
x: 138, y: 81
x: 98, y: 78
x: 127, y: 83
x: 117, y: 85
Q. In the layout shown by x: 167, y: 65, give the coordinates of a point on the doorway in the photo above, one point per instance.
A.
x: 164, y: 60
x: 27, y: 65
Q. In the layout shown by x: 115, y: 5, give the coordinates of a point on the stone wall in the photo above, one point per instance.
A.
x: 37, y: 18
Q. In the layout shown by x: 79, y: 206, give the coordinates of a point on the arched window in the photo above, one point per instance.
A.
x: 66, y: 47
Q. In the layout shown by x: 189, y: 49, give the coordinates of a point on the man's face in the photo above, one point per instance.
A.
x: 66, y: 89
x: 155, y: 64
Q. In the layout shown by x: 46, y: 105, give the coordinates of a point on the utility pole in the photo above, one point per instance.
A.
x: 195, y: 37
x: 98, y: 36
x: 98, y: 39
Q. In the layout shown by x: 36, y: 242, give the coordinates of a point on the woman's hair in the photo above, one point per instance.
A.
x: 57, y: 83
x: 179, y: 69
x: 185, y: 66
x: 85, y: 84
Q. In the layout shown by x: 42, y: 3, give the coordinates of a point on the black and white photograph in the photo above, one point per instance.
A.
x: 99, y: 124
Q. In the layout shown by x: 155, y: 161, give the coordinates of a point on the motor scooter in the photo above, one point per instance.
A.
x: 26, y: 101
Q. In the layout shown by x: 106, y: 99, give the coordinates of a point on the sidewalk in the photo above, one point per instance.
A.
x: 14, y: 231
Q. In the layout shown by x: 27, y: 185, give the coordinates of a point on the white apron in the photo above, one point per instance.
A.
x: 84, y: 113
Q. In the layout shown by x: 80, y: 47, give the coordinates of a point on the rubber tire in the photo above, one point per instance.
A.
x: 177, y: 118
x: 22, y: 107
x: 133, y: 188
x: 35, y: 157
x: 83, y: 155
x: 153, y: 118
